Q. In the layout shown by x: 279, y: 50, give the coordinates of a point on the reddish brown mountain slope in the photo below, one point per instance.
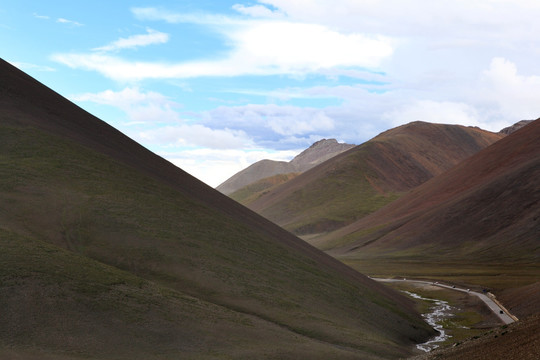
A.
x: 487, y: 208
x: 363, y: 179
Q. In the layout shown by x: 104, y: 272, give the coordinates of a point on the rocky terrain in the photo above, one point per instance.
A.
x: 510, y: 129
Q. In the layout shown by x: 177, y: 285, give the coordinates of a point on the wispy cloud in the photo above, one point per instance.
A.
x: 140, y: 106
x: 68, y: 22
x: 152, y: 37
x: 155, y: 14
x: 29, y: 66
x: 262, y: 47
x: 43, y: 17
x: 258, y: 11
x: 152, y: 107
x: 58, y: 20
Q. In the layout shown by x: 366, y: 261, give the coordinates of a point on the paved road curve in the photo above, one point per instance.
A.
x: 497, y: 309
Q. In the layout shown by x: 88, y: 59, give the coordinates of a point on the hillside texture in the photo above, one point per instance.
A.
x: 487, y: 206
x: 478, y: 223
x: 369, y: 176
x: 109, y: 251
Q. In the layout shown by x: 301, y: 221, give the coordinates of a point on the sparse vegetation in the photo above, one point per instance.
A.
x: 108, y: 255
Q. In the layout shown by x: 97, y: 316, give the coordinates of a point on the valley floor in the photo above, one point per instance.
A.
x: 476, y: 332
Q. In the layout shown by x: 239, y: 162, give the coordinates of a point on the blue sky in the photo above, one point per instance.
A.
x: 214, y: 86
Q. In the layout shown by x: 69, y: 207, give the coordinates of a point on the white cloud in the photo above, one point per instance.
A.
x: 29, y: 66
x: 152, y: 37
x: 139, y: 106
x: 189, y: 135
x: 443, y: 112
x: 273, y: 119
x: 456, y: 18
x: 448, y: 61
x: 155, y: 14
x: 259, y: 47
x: 68, y: 22
x: 494, y: 99
x: 299, y: 47
x: 216, y: 166
x: 151, y: 108
x: 258, y: 11
x: 508, y: 95
x: 43, y: 17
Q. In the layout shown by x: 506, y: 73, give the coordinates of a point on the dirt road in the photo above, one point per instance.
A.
x: 490, y: 301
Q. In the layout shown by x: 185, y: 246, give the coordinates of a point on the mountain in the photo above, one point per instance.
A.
x: 478, y: 222
x: 490, y: 202
x: 109, y: 251
x: 365, y: 178
x: 317, y: 153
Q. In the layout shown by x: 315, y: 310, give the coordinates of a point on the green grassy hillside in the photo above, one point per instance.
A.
x: 117, y: 252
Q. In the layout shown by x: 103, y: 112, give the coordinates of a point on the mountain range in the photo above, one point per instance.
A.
x: 486, y: 208
x: 361, y: 180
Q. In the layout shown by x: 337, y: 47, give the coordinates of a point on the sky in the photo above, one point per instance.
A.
x: 215, y: 85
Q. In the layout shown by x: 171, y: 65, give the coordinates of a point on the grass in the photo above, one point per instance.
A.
x: 328, y: 203
x: 105, y: 230
x: 252, y: 192
x: 103, y: 309
x: 478, y: 275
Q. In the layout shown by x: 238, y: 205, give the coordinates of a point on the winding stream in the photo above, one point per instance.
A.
x: 439, y: 310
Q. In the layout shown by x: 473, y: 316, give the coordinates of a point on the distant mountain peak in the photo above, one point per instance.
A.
x: 323, y: 142
x: 317, y: 153
x: 512, y: 128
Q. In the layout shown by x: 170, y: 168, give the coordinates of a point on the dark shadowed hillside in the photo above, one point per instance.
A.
x: 369, y: 176
x: 109, y: 251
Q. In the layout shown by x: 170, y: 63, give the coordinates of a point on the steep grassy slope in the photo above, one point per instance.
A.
x: 482, y: 215
x: 104, y: 221
x: 369, y: 176
x: 59, y: 305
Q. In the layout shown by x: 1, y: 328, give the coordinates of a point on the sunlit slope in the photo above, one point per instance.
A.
x: 252, y: 192
x: 486, y: 209
x: 369, y: 176
x: 69, y: 181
